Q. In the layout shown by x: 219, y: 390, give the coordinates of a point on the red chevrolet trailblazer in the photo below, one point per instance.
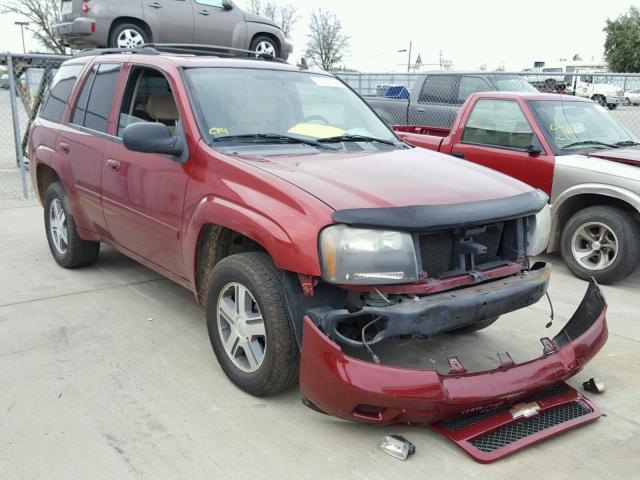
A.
x: 311, y: 234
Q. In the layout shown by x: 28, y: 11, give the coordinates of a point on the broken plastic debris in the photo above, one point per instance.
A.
x: 398, y: 447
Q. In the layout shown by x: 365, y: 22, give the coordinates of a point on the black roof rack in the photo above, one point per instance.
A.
x: 183, y: 48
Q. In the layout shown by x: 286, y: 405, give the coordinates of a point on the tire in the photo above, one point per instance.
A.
x: 264, y: 44
x: 600, y: 99
x: 136, y: 38
x: 612, y: 106
x: 474, y: 327
x: 74, y: 252
x: 583, y: 233
x: 626, y: 102
x: 278, y: 368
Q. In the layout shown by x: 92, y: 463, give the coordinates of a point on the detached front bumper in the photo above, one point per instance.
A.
x: 366, y: 392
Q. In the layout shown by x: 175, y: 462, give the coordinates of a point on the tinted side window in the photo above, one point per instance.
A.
x: 80, y: 110
x: 101, y: 96
x: 469, y: 85
x: 439, y: 89
x: 498, y: 123
x: 60, y: 91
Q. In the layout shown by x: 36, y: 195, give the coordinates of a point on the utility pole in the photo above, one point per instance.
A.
x: 409, y: 62
x: 22, y: 25
x: 440, y: 58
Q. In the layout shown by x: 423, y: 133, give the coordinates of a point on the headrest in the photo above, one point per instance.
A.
x: 162, y: 106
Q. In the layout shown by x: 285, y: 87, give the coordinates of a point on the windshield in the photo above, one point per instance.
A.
x: 570, y: 126
x: 512, y: 83
x: 250, y: 105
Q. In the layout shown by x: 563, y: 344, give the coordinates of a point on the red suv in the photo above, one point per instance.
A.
x: 309, y: 231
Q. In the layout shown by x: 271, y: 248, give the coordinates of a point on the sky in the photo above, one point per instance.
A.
x: 470, y: 33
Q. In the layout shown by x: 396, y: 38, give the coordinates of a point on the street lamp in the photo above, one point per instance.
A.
x: 22, y: 25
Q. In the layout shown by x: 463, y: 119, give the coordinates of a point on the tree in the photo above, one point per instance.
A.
x: 41, y: 15
x: 622, y: 46
x: 284, y: 15
x: 327, y: 43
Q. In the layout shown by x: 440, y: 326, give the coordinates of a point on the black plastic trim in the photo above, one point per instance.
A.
x: 420, y: 218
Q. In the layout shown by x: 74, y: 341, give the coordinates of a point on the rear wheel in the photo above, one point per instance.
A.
x: 67, y: 248
x: 474, y: 327
x: 128, y: 35
x: 266, y: 45
x: 601, y: 242
x: 249, y: 326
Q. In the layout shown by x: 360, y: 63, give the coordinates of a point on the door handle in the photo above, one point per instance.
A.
x: 421, y: 110
x: 206, y: 13
x: 155, y: 5
x: 458, y: 154
x: 113, y: 165
x: 64, y: 147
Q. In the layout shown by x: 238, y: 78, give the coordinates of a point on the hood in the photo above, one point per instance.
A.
x: 250, y: 17
x: 622, y: 155
x: 607, y: 87
x: 396, y: 178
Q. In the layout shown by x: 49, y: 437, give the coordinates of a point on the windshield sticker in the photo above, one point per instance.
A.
x: 323, y: 81
x: 218, y: 131
x: 562, y: 131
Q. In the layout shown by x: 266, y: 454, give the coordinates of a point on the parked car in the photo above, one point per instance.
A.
x: 309, y: 232
x: 129, y: 24
x: 4, y: 81
x: 572, y: 149
x: 436, y: 97
x: 632, y: 97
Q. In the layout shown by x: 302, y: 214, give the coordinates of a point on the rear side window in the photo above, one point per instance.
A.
x: 94, y: 103
x: 469, y: 85
x: 499, y: 123
x: 439, y: 89
x: 59, y: 92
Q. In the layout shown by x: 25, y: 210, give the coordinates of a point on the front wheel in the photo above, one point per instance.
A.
x: 612, y: 106
x: 249, y: 326
x: 601, y: 242
x: 265, y: 45
x: 600, y: 99
x: 626, y: 102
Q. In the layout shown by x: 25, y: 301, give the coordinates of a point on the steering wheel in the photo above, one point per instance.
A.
x: 319, y: 118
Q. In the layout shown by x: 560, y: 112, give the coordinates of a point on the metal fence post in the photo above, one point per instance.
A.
x: 16, y: 126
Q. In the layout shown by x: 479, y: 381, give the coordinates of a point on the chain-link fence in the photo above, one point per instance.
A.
x: 434, y: 98
x: 24, y: 83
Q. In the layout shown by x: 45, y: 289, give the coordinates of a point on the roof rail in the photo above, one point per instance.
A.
x: 181, y: 48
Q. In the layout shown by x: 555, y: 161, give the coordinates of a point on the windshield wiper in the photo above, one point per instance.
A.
x: 356, y: 138
x: 627, y: 143
x: 590, y: 142
x: 274, y: 136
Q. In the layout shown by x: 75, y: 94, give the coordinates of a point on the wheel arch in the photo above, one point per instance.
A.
x: 136, y: 21
x: 582, y: 196
x: 45, y: 176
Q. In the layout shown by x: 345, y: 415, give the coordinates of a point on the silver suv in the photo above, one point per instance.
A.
x: 131, y: 23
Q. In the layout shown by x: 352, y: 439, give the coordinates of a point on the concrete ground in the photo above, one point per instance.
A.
x: 107, y: 373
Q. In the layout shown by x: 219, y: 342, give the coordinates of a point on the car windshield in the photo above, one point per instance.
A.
x: 257, y: 105
x: 512, y: 83
x: 570, y: 126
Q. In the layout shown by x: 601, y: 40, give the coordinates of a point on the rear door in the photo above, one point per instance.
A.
x: 171, y: 21
x: 215, y: 25
x: 498, y: 135
x: 436, y: 105
x: 143, y: 193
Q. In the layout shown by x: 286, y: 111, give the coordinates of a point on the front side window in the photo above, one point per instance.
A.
x: 498, y: 123
x: 439, y: 89
x: 148, y: 98
x: 234, y: 102
x: 94, y: 103
x: 211, y: 3
x: 60, y: 91
x: 512, y: 83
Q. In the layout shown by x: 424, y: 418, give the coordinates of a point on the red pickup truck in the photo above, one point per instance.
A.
x: 311, y: 234
x: 572, y: 149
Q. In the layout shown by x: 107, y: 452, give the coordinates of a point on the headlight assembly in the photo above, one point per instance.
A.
x: 362, y: 256
x: 538, y: 231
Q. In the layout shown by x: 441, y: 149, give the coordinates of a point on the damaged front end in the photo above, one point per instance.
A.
x: 357, y: 390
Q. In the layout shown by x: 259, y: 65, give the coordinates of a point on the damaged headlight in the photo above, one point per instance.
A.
x: 362, y: 256
x: 538, y: 231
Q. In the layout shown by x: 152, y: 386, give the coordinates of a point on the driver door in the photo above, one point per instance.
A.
x: 143, y: 193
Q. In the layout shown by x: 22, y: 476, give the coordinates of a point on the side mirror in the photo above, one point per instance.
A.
x: 227, y: 5
x: 534, y: 150
x: 147, y: 137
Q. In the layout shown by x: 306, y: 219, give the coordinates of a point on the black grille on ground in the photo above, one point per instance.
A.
x: 463, y: 422
x: 526, y: 427
x: 438, y: 250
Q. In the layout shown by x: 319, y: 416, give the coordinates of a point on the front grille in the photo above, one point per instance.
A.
x: 439, y: 253
x: 526, y: 427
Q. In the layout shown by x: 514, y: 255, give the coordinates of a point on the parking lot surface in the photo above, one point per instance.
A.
x: 107, y: 373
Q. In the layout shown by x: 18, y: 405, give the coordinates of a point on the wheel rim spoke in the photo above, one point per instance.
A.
x: 594, y: 246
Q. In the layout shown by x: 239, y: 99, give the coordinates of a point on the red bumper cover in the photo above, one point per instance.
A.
x: 366, y: 392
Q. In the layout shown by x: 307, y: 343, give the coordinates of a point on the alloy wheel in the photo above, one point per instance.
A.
x: 266, y: 47
x: 58, y: 226
x: 129, y: 38
x: 594, y: 246
x: 241, y: 327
